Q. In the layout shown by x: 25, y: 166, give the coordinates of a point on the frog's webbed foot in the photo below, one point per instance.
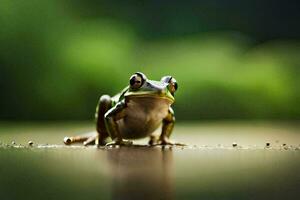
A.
x: 120, y: 143
x: 167, y: 141
x: 160, y: 141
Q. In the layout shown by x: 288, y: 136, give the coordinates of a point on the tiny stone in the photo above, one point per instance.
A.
x: 30, y: 143
x: 234, y: 144
x: 13, y: 142
x: 283, y: 144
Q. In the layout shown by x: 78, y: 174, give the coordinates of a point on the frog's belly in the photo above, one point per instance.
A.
x: 143, y: 116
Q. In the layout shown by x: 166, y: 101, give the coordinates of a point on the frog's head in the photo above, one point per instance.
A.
x: 140, y: 86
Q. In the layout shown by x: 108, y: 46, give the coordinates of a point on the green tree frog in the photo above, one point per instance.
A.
x: 134, y: 113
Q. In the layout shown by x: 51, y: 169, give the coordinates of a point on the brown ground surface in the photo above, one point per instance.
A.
x: 208, y: 168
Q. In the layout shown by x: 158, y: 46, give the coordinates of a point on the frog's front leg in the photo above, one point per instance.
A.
x: 104, y: 104
x: 167, y: 128
x: 111, y: 117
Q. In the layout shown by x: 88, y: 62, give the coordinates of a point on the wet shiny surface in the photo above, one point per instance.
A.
x: 209, y: 168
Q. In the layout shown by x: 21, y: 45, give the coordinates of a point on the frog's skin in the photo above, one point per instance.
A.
x: 135, y: 113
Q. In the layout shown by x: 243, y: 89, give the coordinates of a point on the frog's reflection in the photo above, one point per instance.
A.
x: 141, y: 172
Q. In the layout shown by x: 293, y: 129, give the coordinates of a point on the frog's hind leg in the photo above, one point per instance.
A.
x: 104, y: 104
x: 99, y: 137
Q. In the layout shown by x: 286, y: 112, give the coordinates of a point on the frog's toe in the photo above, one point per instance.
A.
x: 169, y: 142
x: 180, y: 144
x: 165, y: 141
x: 119, y: 143
x: 75, y: 139
x: 86, y: 139
x: 90, y: 141
x: 111, y: 144
x: 101, y: 143
x: 68, y: 140
x: 153, y: 142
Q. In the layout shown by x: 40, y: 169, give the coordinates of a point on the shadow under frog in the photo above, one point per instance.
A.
x: 140, y: 172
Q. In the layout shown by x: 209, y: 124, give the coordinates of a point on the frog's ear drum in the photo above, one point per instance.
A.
x: 137, y: 80
x: 173, y: 85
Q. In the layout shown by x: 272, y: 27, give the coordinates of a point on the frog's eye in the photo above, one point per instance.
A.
x: 172, y: 83
x: 137, y: 80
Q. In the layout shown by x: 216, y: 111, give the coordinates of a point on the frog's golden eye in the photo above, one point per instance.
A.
x: 137, y: 80
x: 172, y: 83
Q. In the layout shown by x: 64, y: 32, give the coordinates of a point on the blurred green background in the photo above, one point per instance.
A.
x: 232, y: 59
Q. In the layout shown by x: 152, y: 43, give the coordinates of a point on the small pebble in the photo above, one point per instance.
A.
x: 30, y: 143
x: 283, y: 144
x: 234, y: 144
x: 13, y: 142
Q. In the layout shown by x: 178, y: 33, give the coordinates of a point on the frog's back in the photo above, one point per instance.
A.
x: 143, y: 116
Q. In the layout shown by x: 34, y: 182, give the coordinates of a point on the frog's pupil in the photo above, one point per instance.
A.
x: 132, y: 81
x: 175, y: 85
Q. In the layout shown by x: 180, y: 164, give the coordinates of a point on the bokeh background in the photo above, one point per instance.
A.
x: 232, y: 59
x: 237, y: 63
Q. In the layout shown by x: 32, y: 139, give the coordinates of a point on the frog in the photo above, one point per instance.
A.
x: 135, y: 113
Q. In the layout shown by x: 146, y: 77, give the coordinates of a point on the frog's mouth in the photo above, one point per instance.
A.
x: 164, y: 94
